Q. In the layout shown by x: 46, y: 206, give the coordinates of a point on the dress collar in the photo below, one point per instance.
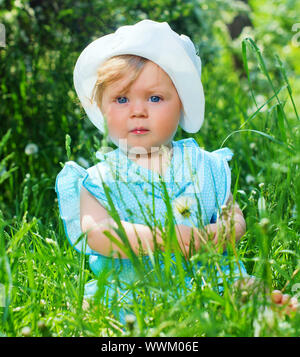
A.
x: 139, y: 172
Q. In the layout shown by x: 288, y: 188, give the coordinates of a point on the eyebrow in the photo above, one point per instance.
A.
x: 154, y: 88
x: 116, y: 92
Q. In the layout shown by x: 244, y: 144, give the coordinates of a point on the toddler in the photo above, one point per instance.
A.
x: 138, y: 85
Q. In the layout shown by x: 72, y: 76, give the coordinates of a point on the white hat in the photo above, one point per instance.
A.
x: 157, y: 42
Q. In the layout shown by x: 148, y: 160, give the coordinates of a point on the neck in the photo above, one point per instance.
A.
x: 151, y: 154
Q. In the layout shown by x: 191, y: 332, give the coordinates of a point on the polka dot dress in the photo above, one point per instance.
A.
x: 196, y: 184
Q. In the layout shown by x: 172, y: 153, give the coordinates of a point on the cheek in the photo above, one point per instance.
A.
x: 115, y: 120
x: 109, y: 116
x: 167, y: 122
x: 170, y: 115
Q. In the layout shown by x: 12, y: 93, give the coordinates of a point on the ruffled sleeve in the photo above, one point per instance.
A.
x: 68, y: 185
x: 94, y: 182
x: 221, y: 175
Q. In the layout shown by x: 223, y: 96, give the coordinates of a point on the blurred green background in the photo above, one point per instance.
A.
x: 39, y: 104
x: 39, y: 44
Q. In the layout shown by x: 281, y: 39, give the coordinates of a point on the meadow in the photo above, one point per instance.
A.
x: 252, y: 109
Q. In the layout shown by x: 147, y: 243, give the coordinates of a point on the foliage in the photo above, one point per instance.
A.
x: 43, y: 41
x: 251, y: 109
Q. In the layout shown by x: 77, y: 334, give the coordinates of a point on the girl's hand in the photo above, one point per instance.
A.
x: 190, y: 238
x: 211, y: 231
x: 183, y: 234
x: 287, y: 303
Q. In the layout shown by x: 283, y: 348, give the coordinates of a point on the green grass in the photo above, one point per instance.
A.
x: 44, y: 277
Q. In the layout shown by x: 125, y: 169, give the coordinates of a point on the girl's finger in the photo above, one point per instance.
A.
x: 293, y: 303
x: 285, y: 299
x: 276, y: 296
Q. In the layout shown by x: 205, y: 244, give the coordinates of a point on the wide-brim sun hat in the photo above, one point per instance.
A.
x: 156, y: 41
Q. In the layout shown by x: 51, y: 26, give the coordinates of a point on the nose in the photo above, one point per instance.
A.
x: 138, y: 109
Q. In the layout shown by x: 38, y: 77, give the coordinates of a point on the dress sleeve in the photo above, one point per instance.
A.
x: 94, y: 182
x: 67, y: 186
x: 221, y: 175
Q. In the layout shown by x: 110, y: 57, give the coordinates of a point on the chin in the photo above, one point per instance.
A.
x: 138, y: 150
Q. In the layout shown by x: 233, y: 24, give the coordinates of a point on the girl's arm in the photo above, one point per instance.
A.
x: 94, y: 220
x: 232, y: 216
x: 231, y: 220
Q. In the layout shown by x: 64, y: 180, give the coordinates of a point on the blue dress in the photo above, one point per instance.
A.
x: 201, y: 177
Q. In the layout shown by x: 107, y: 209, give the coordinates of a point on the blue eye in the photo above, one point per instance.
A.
x: 122, y: 100
x: 155, y: 98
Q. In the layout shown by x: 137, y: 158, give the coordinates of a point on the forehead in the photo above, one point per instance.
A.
x: 155, y: 74
x: 151, y: 77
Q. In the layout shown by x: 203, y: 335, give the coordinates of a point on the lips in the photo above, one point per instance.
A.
x: 139, y: 130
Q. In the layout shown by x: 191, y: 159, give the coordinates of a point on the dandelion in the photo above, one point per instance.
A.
x: 85, y: 305
x: 261, y: 204
x: 242, y: 192
x: 249, y: 179
x: 31, y: 149
x: 251, y: 110
x: 279, y: 167
x: 41, y: 325
x: 264, y: 222
x: 182, y: 206
x: 130, y: 320
x: 18, y: 308
x: 76, y: 110
x: 261, y: 101
x: 252, y: 194
x: 50, y: 241
x: 26, y: 331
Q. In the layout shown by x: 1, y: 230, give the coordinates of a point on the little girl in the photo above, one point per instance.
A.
x: 140, y: 83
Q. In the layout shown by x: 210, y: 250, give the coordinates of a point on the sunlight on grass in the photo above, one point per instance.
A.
x: 43, y: 277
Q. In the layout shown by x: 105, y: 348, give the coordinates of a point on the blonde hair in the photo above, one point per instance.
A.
x: 114, y: 69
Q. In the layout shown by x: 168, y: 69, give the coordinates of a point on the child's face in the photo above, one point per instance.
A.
x: 150, y: 102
